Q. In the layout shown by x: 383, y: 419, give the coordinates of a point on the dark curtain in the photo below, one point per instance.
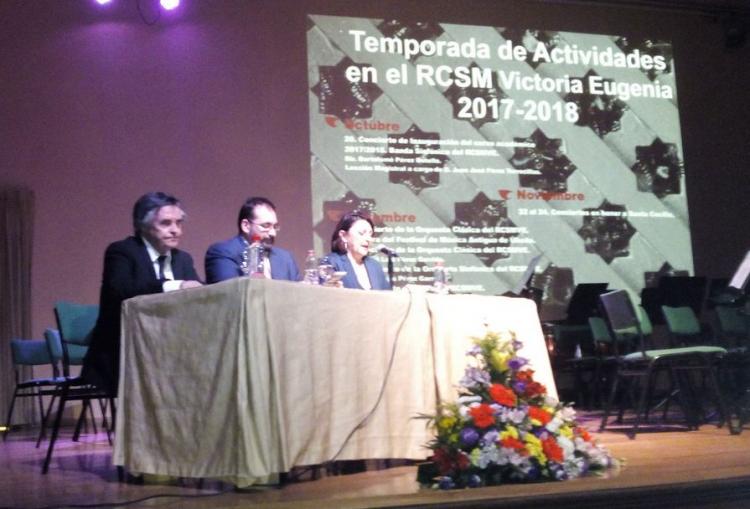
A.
x: 16, y: 238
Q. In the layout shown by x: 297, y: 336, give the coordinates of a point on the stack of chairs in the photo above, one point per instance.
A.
x: 636, y: 366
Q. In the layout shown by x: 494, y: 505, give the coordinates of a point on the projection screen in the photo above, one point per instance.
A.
x: 490, y: 147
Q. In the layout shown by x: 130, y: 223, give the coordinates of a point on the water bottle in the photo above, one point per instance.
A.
x: 245, y: 262
x: 255, y: 256
x: 439, y: 278
x: 311, y: 268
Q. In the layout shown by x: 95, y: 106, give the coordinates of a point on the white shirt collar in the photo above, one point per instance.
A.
x: 153, y: 254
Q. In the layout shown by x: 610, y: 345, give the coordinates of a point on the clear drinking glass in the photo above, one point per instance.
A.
x: 325, y: 270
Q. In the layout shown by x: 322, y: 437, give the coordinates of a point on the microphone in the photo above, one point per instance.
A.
x: 387, y: 251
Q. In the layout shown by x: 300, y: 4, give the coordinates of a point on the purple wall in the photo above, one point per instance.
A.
x: 211, y: 104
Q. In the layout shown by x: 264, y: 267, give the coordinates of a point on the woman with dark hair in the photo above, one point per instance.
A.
x: 350, y: 246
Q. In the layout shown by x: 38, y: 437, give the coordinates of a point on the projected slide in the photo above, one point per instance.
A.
x: 485, y: 147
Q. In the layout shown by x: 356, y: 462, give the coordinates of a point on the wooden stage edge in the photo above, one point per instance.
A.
x: 666, y: 467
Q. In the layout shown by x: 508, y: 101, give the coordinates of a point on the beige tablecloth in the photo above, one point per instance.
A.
x: 251, y: 377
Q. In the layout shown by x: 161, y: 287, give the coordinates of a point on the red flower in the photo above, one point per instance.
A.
x: 463, y: 462
x: 482, y: 415
x: 583, y: 433
x: 448, y: 462
x: 539, y: 414
x: 534, y: 389
x: 553, y: 451
x: 443, y: 461
x: 525, y: 376
x: 503, y: 395
x: 513, y: 443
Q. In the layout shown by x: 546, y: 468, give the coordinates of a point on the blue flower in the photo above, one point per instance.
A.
x: 585, y: 466
x: 469, y: 436
x: 557, y: 471
x: 474, y: 351
x: 533, y: 473
x: 513, y: 415
x: 474, y: 481
x: 489, y: 438
x: 474, y: 377
x: 446, y: 483
x: 517, y: 363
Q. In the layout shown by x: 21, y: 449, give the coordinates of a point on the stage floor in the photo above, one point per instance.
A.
x: 661, y: 468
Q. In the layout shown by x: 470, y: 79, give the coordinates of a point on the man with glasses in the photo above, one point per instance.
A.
x: 257, y: 219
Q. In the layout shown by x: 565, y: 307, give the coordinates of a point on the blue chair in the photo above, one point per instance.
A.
x: 75, y: 323
x: 28, y: 353
x: 733, y: 328
x: 608, y: 360
x: 75, y: 357
x: 684, y: 327
x: 75, y: 353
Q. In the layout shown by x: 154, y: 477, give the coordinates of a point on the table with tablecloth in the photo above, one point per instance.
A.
x: 250, y: 377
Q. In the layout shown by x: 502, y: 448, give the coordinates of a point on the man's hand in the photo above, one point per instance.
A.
x: 334, y: 284
x: 190, y: 284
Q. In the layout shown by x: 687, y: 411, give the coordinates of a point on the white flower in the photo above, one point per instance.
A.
x: 567, y: 445
x: 505, y: 336
x: 574, y: 467
x: 465, y: 403
x: 523, y: 463
x: 568, y: 413
x: 517, y: 416
x: 489, y: 455
x: 464, y: 400
x: 554, y: 425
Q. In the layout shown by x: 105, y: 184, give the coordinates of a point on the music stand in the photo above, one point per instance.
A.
x: 523, y: 283
x: 741, y: 276
x: 734, y: 293
x: 679, y: 291
x: 584, y: 302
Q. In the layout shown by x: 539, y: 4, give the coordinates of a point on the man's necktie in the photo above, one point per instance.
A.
x: 161, y: 260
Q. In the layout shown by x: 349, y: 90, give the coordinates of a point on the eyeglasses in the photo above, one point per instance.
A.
x: 268, y: 226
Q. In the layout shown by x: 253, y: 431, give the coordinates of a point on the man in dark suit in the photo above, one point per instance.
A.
x: 148, y: 262
x: 257, y: 219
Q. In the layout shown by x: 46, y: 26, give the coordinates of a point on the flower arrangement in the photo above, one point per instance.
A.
x: 504, y: 427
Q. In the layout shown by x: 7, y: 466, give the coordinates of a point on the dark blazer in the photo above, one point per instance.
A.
x: 378, y: 280
x: 128, y: 272
x: 223, y: 261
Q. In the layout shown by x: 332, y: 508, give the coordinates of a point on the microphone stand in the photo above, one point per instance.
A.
x: 390, y: 268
